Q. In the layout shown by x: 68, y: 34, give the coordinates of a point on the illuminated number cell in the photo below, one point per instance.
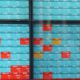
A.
x: 16, y: 69
x: 47, y: 48
x: 38, y: 55
x: 16, y: 76
x: 24, y: 41
x: 47, y: 27
x: 65, y: 54
x: 5, y: 55
x: 20, y: 72
x: 6, y: 76
x: 56, y: 41
x: 47, y: 75
x: 25, y: 76
x: 38, y: 41
x: 25, y: 69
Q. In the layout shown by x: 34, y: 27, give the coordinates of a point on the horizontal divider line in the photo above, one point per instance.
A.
x: 54, y: 1
x: 50, y: 7
x: 14, y: 60
x: 49, y: 39
x: 14, y: 33
x: 60, y: 79
x: 59, y: 60
x: 13, y: 7
x: 14, y: 46
x: 12, y: 21
x: 58, y: 32
x: 56, y: 21
x: 55, y: 53
x: 56, y: 66
x: 46, y: 44
x: 61, y: 73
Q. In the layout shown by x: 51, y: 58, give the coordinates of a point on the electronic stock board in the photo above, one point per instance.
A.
x: 56, y: 39
x: 14, y: 40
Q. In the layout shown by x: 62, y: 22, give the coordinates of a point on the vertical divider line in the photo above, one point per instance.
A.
x: 31, y: 37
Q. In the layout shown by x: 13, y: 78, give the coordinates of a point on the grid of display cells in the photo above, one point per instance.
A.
x: 56, y: 51
x: 56, y: 10
x: 14, y: 9
x: 14, y: 51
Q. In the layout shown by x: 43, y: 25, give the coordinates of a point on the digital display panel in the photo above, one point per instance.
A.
x: 14, y: 52
x: 56, y: 51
